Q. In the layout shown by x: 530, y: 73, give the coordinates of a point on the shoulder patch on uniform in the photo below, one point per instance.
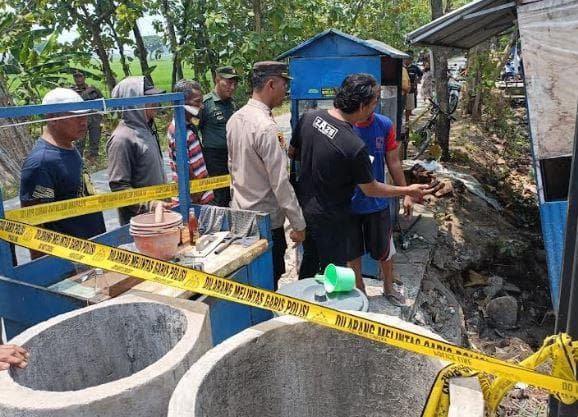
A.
x: 281, y: 140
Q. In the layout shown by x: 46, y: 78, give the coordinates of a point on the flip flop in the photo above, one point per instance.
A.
x: 395, y: 298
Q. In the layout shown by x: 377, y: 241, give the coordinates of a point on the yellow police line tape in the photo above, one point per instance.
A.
x: 563, y: 386
x: 559, y: 349
x: 49, y: 212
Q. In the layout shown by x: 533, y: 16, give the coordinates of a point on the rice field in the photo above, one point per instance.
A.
x: 161, y: 74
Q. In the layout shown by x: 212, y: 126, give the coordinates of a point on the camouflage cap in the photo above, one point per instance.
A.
x: 227, y: 72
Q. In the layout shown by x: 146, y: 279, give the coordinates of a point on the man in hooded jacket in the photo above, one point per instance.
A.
x: 134, y: 154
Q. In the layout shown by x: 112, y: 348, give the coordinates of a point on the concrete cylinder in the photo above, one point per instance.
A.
x: 286, y: 367
x: 119, y: 358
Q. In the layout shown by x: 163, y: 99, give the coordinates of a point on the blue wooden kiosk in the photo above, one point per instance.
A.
x: 319, y: 65
x: 25, y: 296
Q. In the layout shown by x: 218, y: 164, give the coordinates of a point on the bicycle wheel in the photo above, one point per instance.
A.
x: 426, y: 137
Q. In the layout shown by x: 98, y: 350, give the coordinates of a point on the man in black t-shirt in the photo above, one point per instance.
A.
x: 333, y: 161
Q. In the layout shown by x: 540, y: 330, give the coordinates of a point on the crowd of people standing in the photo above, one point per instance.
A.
x: 337, y: 207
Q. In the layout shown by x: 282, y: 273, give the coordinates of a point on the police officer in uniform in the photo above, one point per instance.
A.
x: 258, y: 160
x: 218, y: 109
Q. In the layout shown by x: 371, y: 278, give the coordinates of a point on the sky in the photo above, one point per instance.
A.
x: 144, y: 23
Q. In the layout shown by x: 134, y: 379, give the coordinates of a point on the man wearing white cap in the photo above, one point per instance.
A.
x: 53, y: 170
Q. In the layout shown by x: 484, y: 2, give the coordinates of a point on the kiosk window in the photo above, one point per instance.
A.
x: 555, y: 177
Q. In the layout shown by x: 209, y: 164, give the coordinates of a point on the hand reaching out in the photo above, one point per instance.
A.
x: 12, y: 355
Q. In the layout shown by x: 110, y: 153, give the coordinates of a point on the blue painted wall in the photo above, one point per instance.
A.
x: 553, y: 218
x: 311, y: 75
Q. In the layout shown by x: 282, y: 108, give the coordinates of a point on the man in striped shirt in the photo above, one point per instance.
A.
x: 197, y: 168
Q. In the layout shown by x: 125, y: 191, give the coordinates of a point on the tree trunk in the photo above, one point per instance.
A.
x: 120, y: 46
x: 258, y: 13
x: 471, y: 79
x: 141, y: 52
x: 177, y: 72
x: 87, y: 19
x: 123, y: 60
x: 443, y: 121
x: 102, y: 55
x: 15, y: 143
x: 476, y: 110
x: 440, y: 74
x: 506, y: 53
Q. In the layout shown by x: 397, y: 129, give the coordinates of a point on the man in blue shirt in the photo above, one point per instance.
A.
x: 53, y: 170
x: 371, y: 229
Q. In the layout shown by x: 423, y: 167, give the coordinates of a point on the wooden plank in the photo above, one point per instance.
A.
x: 224, y: 264
x: 98, y: 288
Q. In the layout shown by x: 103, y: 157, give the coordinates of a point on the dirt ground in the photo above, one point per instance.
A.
x: 483, y: 253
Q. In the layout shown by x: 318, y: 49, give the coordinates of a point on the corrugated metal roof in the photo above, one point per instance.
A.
x: 467, y: 26
x: 373, y: 46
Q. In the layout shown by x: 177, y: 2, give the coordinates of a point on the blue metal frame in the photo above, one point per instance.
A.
x: 119, y: 103
x: 24, y: 298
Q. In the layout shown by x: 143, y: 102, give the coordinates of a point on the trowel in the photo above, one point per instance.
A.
x: 228, y: 240
x: 206, y: 244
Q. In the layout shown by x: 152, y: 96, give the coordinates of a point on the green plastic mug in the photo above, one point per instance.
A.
x: 338, y: 279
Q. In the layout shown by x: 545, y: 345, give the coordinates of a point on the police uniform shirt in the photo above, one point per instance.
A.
x: 258, y: 166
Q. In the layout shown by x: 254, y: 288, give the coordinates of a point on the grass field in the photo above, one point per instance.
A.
x: 161, y: 74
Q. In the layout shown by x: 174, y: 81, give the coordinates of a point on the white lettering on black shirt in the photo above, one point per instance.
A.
x: 325, y: 128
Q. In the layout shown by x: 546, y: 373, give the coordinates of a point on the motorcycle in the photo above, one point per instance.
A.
x: 454, y: 89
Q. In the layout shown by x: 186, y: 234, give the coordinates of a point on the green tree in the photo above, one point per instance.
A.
x: 154, y: 45
x: 128, y: 12
x: 32, y: 60
x: 15, y: 140
x: 89, y: 19
x: 33, y: 70
x: 121, y: 39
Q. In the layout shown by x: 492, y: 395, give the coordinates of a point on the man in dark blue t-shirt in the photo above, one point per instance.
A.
x: 53, y: 170
x: 371, y: 227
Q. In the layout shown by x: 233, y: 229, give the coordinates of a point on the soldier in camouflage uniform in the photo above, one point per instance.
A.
x: 88, y: 92
x: 218, y: 109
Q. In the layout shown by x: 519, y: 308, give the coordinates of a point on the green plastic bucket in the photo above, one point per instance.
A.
x: 338, y: 279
